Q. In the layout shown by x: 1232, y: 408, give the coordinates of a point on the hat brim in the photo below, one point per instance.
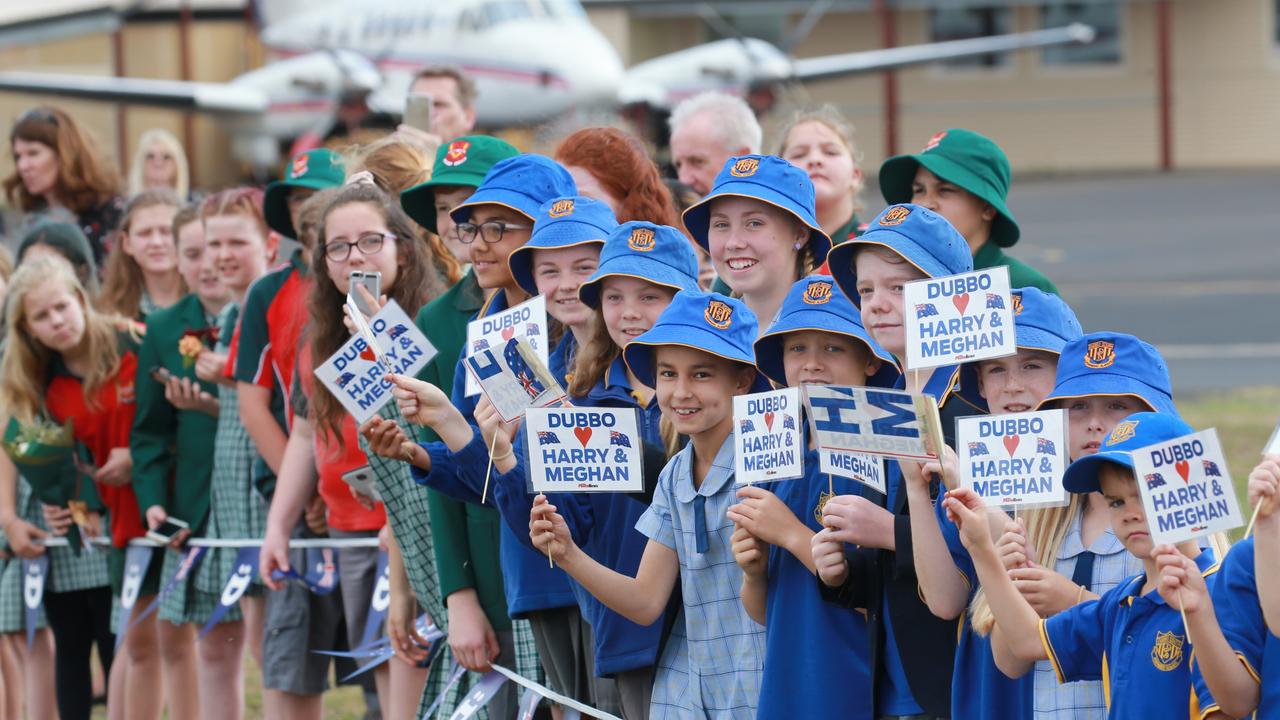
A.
x: 1082, y: 475
x: 275, y: 204
x: 419, y: 203
x: 1109, y: 385
x: 840, y: 261
x: 639, y: 267
x: 639, y: 354
x: 697, y: 218
x: 520, y: 261
x: 495, y: 196
x: 898, y: 175
x: 769, y: 352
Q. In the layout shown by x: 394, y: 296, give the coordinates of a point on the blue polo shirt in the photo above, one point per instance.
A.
x: 1135, y: 643
x: 1235, y: 602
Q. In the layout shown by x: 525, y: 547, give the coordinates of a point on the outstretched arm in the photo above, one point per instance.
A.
x: 942, y: 585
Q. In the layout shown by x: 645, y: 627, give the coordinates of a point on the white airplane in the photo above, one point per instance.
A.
x: 533, y: 60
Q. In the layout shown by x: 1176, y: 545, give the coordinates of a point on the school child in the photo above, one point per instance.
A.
x: 175, y: 426
x: 1132, y: 637
x: 912, y: 651
x: 820, y: 142
x: 142, y: 272
x: 696, y: 357
x: 817, y: 339
x: 1043, y: 325
x: 964, y: 177
x: 758, y: 225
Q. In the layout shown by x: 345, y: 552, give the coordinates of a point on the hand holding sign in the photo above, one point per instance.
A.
x: 1180, y: 583
x: 1264, y: 490
x: 765, y: 517
x: 548, y: 531
x: 421, y: 402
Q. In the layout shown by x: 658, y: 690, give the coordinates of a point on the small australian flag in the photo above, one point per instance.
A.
x: 978, y: 448
x: 1046, y: 446
x: 924, y: 310
x: 788, y: 422
x: 617, y: 438
x: 1154, y: 480
x: 995, y: 301
x: 1211, y: 469
x: 546, y: 437
x: 397, y: 331
x: 345, y: 378
x: 746, y: 426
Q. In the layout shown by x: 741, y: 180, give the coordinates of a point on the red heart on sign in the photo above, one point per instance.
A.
x: 583, y: 434
x: 1184, y: 469
x: 1011, y: 443
x: 961, y: 301
x: 367, y: 354
x: 508, y: 332
x: 768, y: 420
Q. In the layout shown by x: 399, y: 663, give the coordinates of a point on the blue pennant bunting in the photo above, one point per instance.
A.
x: 480, y: 695
x: 189, y: 561
x: 34, y: 573
x: 380, y: 602
x: 454, y: 677
x: 242, y: 572
x: 137, y: 558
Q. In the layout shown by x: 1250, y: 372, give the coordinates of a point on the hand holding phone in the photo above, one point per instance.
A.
x: 417, y: 111
x: 371, y: 280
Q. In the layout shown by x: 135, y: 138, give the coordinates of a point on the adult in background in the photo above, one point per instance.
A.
x: 964, y: 177
x: 453, y: 105
x: 57, y: 167
x: 160, y: 162
x: 610, y: 165
x: 707, y: 130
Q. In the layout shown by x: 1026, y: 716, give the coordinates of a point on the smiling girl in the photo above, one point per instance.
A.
x: 142, y: 274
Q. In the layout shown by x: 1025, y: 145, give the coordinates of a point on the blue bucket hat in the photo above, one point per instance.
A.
x: 561, y: 223
x: 768, y: 179
x: 522, y: 183
x: 659, y: 254
x: 1110, y: 363
x: 710, y: 322
x: 1135, y: 432
x: 816, y: 303
x: 921, y: 236
x: 1041, y: 321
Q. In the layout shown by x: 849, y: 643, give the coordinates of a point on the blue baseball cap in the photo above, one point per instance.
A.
x: 522, y: 183
x: 710, y: 322
x: 769, y: 179
x: 1111, y: 363
x: 561, y: 223
x: 816, y: 303
x: 659, y: 254
x: 1135, y: 432
x: 1041, y: 321
x: 921, y: 236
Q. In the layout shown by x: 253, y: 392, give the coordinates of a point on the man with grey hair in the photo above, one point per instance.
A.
x: 706, y: 130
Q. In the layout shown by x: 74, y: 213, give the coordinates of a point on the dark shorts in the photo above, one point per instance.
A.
x: 298, y: 622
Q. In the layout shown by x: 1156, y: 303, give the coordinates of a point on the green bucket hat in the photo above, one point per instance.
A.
x: 964, y: 158
x: 461, y: 163
x: 314, y: 170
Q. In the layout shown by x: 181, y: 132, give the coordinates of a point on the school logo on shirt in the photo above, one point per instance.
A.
x: 299, y: 167
x: 641, y: 240
x: 125, y: 394
x: 719, y: 314
x: 1017, y: 305
x: 1166, y: 653
x: 1122, y: 432
x: 457, y: 153
x: 818, y: 293
x: 746, y: 167
x: 561, y: 208
x: 934, y: 141
x: 1101, y: 354
x: 895, y: 216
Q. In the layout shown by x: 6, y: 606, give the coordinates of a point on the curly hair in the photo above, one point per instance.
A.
x: 618, y: 161
x: 85, y: 180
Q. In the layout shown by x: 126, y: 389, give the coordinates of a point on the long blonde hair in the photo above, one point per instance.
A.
x: 159, y: 136
x: 24, y: 368
x: 123, y: 281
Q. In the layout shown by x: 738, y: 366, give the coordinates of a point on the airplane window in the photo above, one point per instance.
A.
x: 566, y: 8
x: 505, y: 10
x: 470, y: 21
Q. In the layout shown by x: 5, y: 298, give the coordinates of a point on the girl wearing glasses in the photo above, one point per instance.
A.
x: 160, y: 163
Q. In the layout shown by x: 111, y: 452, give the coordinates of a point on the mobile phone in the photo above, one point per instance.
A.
x: 362, y: 481
x: 417, y: 111
x: 161, y: 375
x: 167, y: 530
x: 372, y: 281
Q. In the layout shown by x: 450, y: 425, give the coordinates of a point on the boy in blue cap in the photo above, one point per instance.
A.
x: 697, y: 357
x: 1132, y: 637
x: 817, y: 339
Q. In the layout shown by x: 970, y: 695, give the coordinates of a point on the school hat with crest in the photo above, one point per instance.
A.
x: 1041, y: 321
x: 710, y: 322
x: 1110, y: 364
x: 1135, y: 432
x: 659, y: 254
x: 768, y: 179
x: 964, y: 158
x: 461, y: 163
x: 521, y: 183
x: 561, y: 223
x: 816, y: 303
x: 921, y: 236
x: 312, y: 170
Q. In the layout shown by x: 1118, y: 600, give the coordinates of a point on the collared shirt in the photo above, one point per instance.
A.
x: 1134, y: 643
x: 1082, y: 700
x: 712, y: 664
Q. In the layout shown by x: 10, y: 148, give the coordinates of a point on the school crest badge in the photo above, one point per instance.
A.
x: 1166, y: 653
x: 1017, y: 305
x: 818, y: 293
x: 641, y: 240
x: 934, y: 141
x: 125, y: 394
x: 719, y: 314
x: 457, y: 153
x: 1122, y: 432
x: 1100, y: 354
x: 745, y: 167
x: 299, y: 167
x: 823, y: 497
x: 894, y: 216
x: 561, y: 208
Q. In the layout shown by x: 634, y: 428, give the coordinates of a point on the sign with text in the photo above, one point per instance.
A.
x: 767, y: 441
x: 1014, y: 460
x: 514, y: 378
x: 865, y: 420
x: 958, y: 318
x: 575, y: 449
x: 357, y: 377
x: 527, y: 320
x: 866, y: 469
x: 1186, y: 488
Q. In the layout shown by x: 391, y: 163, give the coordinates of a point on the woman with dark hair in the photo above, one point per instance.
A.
x: 64, y: 240
x: 611, y: 166
x: 57, y: 165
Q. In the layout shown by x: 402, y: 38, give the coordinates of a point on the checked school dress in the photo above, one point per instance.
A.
x: 12, y: 610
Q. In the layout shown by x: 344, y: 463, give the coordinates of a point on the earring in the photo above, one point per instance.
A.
x: 798, y: 245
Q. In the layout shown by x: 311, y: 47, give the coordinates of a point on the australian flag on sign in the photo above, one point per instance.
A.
x: 788, y: 422
x: 532, y: 387
x: 546, y: 437
x: 345, y: 378
x: 479, y: 345
x: 1046, y: 446
x: 978, y: 448
x: 397, y: 331
x: 1211, y: 469
x: 1154, y: 480
x: 746, y: 426
x: 924, y: 310
x: 531, y: 330
x: 617, y: 438
x: 994, y: 301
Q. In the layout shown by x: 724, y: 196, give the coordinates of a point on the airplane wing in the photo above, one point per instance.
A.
x: 31, y: 23
x: 827, y: 66
x: 221, y: 98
